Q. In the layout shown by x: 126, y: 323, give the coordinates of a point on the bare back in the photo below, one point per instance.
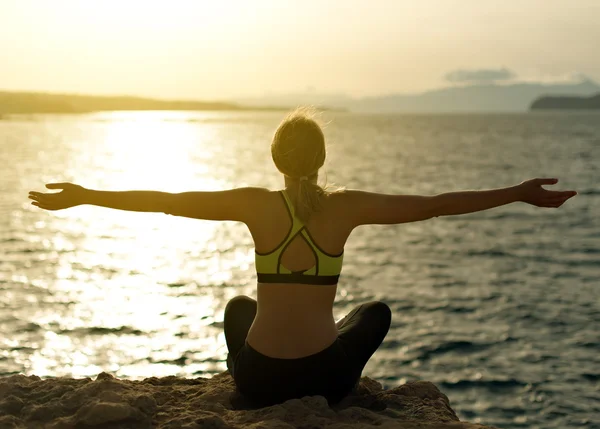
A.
x: 296, y: 320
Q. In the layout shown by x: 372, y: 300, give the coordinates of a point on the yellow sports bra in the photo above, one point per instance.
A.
x: 326, y: 270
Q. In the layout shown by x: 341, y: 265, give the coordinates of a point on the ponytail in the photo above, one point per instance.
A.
x: 308, y: 198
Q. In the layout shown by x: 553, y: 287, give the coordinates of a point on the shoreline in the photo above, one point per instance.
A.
x: 12, y: 103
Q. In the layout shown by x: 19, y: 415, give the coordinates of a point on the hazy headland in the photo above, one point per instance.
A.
x: 37, y: 102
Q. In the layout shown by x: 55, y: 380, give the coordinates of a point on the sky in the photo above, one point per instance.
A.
x: 220, y: 50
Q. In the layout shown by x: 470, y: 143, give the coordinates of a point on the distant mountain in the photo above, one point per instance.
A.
x: 32, y: 102
x: 567, y: 103
x: 473, y: 98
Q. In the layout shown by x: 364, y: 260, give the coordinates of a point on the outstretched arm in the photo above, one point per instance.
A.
x: 373, y: 208
x: 530, y: 191
x: 234, y: 204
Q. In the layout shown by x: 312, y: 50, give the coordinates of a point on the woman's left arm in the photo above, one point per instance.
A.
x: 529, y: 191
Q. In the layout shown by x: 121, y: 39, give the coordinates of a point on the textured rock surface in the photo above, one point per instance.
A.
x: 171, y: 402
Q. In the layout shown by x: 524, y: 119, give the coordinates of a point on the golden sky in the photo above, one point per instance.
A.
x: 223, y: 49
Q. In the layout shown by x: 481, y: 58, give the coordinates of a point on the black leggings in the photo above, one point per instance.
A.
x: 332, y: 372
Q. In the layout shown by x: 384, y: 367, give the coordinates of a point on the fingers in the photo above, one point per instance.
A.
x: 41, y: 194
x: 44, y: 201
x: 551, y: 205
x: 545, y: 181
x: 61, y: 185
x: 38, y: 196
x: 44, y: 206
x: 560, y: 194
x: 553, y: 199
x: 557, y: 201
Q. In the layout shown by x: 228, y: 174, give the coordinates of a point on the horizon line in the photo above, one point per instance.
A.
x: 306, y: 92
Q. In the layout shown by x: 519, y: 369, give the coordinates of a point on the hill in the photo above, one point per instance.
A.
x: 515, y: 97
x: 32, y: 102
x: 567, y: 103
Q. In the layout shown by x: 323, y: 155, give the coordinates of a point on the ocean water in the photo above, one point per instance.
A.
x: 500, y: 308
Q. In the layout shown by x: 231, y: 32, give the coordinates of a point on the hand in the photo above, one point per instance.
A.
x: 71, y: 195
x: 531, y: 192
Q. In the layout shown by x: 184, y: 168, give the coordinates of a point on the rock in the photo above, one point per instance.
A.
x: 178, y: 403
x: 97, y: 413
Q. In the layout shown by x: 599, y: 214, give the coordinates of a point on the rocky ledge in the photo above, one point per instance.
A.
x: 172, y: 402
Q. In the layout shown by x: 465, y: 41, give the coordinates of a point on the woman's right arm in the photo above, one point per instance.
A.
x: 373, y: 208
x: 74, y: 195
x: 240, y: 204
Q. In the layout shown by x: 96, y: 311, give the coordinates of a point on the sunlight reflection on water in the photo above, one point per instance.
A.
x: 97, y: 256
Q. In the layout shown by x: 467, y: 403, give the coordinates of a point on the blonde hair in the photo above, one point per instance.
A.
x: 298, y: 151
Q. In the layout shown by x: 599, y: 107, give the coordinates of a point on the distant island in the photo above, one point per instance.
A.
x: 470, y: 98
x: 567, y: 103
x: 34, y: 102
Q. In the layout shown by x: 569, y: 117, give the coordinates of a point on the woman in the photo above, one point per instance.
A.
x: 287, y: 343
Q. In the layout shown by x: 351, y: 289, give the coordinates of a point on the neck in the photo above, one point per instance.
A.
x: 291, y: 182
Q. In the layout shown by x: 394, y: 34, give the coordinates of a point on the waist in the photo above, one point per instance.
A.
x: 335, y: 344
x: 288, y: 336
x: 298, y: 278
x: 293, y: 319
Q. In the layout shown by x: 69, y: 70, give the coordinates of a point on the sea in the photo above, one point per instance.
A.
x: 499, y: 308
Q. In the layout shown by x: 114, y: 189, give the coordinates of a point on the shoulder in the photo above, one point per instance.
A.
x: 339, y: 204
x: 344, y: 198
x: 361, y: 207
x: 258, y: 202
x: 260, y: 194
x: 238, y: 204
x: 253, y: 191
x: 251, y: 197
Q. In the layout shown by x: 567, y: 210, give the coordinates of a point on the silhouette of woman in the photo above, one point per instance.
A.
x: 287, y: 343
